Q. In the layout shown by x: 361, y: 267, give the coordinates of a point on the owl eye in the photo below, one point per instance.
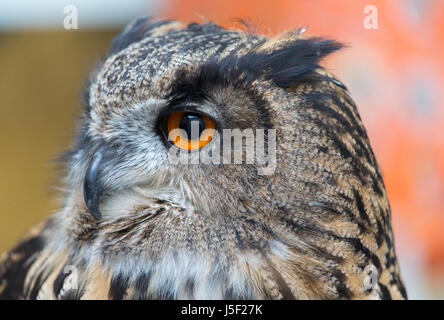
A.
x: 189, y: 131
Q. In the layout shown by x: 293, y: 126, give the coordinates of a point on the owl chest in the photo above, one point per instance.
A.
x: 190, y: 277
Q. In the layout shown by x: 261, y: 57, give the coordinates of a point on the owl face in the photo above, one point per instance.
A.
x: 167, y: 89
x: 148, y: 94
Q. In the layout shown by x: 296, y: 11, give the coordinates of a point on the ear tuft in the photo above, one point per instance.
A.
x: 299, y: 60
x: 290, y: 63
x: 286, y: 61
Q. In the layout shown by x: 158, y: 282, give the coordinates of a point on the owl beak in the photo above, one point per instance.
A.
x: 92, y: 187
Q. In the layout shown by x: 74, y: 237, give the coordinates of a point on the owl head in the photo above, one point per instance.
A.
x: 204, y: 144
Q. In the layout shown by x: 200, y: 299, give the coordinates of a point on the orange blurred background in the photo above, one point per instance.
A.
x: 395, y: 73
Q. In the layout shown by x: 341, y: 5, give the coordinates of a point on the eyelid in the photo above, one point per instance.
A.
x: 191, y: 108
x: 206, y: 108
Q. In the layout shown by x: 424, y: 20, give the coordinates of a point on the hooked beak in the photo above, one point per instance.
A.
x: 93, y: 188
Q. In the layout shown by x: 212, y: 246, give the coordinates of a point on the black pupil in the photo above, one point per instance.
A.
x: 190, y: 121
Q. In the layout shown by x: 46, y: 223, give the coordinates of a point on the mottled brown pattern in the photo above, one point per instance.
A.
x: 173, y: 231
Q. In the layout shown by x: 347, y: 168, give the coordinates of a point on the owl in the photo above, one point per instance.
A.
x: 213, y: 163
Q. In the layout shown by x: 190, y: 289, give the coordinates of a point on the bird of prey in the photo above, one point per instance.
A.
x: 309, y: 220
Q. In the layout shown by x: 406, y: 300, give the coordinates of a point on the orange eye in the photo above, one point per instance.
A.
x: 190, y: 131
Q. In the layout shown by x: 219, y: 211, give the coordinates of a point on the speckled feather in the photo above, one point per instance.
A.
x: 308, y: 231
